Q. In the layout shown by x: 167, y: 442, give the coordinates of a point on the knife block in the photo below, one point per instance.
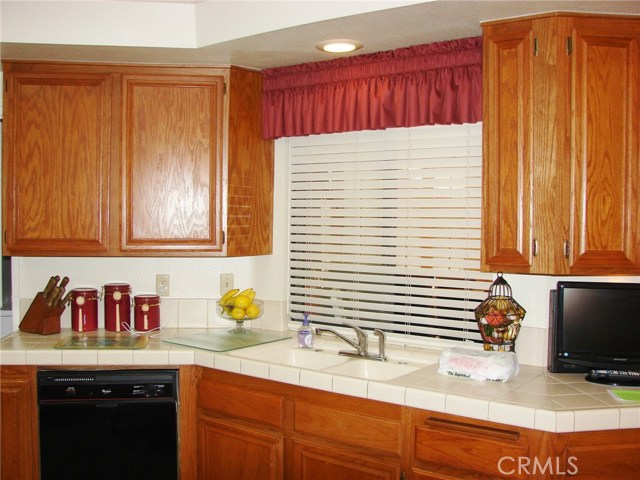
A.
x: 41, y: 318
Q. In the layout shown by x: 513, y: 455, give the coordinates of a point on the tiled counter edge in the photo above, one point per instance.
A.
x: 533, y: 400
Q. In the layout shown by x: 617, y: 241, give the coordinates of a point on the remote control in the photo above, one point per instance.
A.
x: 626, y: 378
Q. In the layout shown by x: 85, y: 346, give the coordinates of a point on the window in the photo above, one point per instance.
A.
x: 385, y: 230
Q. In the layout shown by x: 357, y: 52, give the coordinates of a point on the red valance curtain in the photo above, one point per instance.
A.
x: 438, y: 83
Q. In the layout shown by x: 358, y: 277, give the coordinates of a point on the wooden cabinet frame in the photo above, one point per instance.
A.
x: 561, y: 155
x: 135, y: 160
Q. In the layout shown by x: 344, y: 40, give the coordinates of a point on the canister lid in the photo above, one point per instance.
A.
x: 84, y: 291
x: 151, y: 300
x: 117, y: 287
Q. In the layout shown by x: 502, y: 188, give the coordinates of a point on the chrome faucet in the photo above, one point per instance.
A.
x: 361, y: 344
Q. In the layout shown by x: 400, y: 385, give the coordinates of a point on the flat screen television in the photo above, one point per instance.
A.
x: 594, y: 325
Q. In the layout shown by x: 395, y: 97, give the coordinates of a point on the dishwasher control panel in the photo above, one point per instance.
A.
x: 107, y: 385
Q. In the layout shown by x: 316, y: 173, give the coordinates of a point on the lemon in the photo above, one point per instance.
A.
x: 241, y: 301
x: 252, y: 311
x: 237, y: 313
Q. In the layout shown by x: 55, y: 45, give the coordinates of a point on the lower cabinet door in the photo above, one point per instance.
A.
x: 320, y: 462
x: 19, y: 449
x: 227, y: 451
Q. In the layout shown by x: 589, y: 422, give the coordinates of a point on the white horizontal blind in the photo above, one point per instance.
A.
x: 385, y: 230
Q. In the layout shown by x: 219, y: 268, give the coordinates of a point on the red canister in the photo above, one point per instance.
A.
x: 146, y: 312
x: 117, y: 307
x: 84, y: 309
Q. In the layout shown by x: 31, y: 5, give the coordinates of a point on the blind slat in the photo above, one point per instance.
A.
x: 385, y: 230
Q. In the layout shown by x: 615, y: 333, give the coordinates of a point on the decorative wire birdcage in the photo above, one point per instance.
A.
x: 499, y: 317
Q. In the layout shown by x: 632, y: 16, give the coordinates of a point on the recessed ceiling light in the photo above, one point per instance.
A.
x: 341, y: 45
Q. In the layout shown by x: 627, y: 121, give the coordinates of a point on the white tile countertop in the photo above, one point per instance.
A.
x: 535, y: 399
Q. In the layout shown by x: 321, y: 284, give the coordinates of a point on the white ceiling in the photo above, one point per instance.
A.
x: 378, y: 30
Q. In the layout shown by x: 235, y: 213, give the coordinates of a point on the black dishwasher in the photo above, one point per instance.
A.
x: 108, y: 424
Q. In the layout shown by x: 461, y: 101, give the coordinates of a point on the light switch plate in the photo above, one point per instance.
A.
x: 226, y: 282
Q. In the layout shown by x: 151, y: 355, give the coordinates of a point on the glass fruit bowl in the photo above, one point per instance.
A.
x: 240, y: 315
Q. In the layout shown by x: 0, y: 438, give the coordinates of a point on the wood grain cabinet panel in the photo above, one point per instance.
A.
x: 322, y: 462
x: 451, y: 446
x: 606, y: 161
x: 231, y: 452
x: 349, y: 427
x: 57, y: 160
x: 561, y: 168
x: 172, y: 156
x: 234, y: 401
x: 598, y: 455
x: 19, y: 450
x: 135, y: 160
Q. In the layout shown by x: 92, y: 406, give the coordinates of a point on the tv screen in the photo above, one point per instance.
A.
x: 594, y: 325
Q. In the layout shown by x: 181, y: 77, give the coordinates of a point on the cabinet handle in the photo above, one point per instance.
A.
x: 535, y: 47
x: 468, y: 428
x: 534, y: 247
x: 567, y: 250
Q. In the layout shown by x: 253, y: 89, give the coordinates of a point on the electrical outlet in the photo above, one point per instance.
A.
x: 163, y: 286
x: 226, y: 282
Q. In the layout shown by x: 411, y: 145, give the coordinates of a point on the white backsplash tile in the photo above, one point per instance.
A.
x: 192, y: 313
x: 169, y: 312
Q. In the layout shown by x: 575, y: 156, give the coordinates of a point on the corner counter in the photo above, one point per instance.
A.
x: 535, y: 399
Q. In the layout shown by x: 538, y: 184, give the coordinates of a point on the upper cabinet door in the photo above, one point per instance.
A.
x: 561, y: 167
x: 507, y: 147
x: 172, y: 164
x: 606, y: 161
x: 56, y: 163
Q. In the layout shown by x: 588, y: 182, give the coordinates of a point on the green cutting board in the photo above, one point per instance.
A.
x: 223, y: 340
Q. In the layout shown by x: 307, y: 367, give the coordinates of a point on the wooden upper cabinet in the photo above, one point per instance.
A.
x: 605, y: 211
x: 172, y: 156
x: 57, y: 157
x: 135, y: 160
x: 507, y: 147
x: 561, y: 154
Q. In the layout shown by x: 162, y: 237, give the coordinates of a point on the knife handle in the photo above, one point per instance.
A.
x: 66, y: 298
x: 54, y: 296
x: 50, y: 284
x: 57, y: 292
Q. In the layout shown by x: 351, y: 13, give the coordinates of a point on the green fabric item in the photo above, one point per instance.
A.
x: 629, y: 395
